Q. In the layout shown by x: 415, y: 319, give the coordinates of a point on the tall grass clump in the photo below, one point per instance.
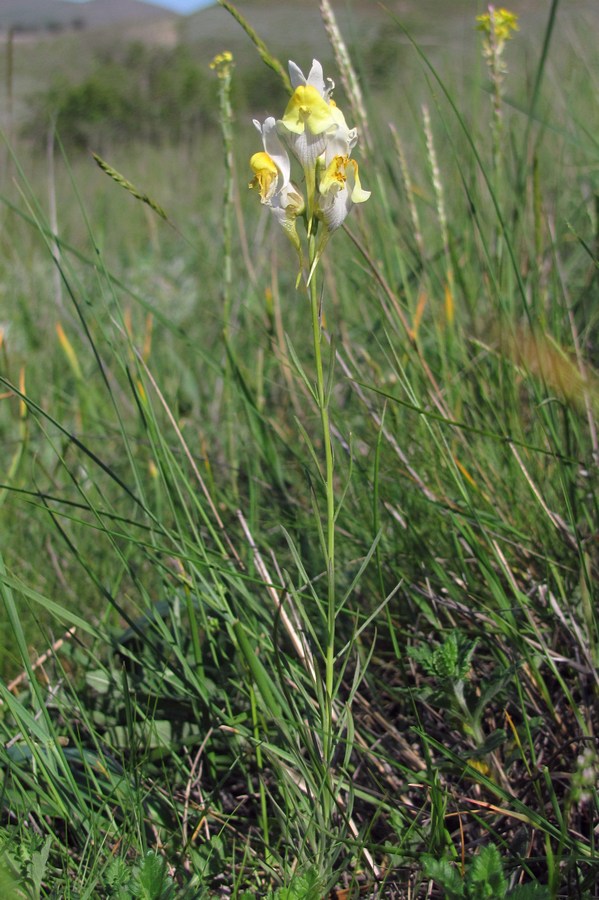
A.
x: 300, y: 548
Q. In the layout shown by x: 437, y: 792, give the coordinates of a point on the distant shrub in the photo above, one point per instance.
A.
x: 134, y: 92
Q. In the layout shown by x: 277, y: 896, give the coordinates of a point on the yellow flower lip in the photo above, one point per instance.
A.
x: 262, y: 161
x: 308, y: 108
x: 266, y: 175
x: 336, y: 176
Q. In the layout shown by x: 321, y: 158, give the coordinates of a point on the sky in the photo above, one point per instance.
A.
x: 183, y: 6
x: 180, y: 6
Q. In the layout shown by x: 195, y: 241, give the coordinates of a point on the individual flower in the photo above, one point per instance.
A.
x: 339, y: 185
x: 272, y: 173
x: 338, y: 190
x: 312, y: 117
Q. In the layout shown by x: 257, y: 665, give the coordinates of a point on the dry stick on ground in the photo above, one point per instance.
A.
x: 41, y: 659
x: 19, y: 736
x: 190, y: 782
x: 299, y: 644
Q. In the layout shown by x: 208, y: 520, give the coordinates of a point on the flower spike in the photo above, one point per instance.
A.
x: 314, y: 129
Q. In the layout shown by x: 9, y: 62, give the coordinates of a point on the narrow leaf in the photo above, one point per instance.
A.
x: 120, y: 179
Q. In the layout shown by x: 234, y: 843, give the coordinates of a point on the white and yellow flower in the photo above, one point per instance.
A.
x: 272, y: 173
x: 339, y: 189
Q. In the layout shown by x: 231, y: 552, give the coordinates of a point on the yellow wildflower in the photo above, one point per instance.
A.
x: 499, y: 21
x: 222, y: 64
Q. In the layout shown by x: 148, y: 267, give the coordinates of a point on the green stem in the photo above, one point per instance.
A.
x: 310, y: 177
x: 226, y: 123
x: 323, y: 405
x: 224, y: 70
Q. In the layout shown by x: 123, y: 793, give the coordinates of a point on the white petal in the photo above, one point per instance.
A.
x: 342, y: 140
x: 275, y: 149
x: 316, y: 78
x: 296, y: 75
x: 337, y: 145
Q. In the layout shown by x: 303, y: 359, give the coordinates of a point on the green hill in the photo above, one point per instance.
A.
x: 40, y: 15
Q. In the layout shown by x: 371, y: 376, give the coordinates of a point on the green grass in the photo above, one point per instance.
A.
x: 234, y: 666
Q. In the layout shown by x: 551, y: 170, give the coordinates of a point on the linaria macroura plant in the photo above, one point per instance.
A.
x: 314, y: 132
